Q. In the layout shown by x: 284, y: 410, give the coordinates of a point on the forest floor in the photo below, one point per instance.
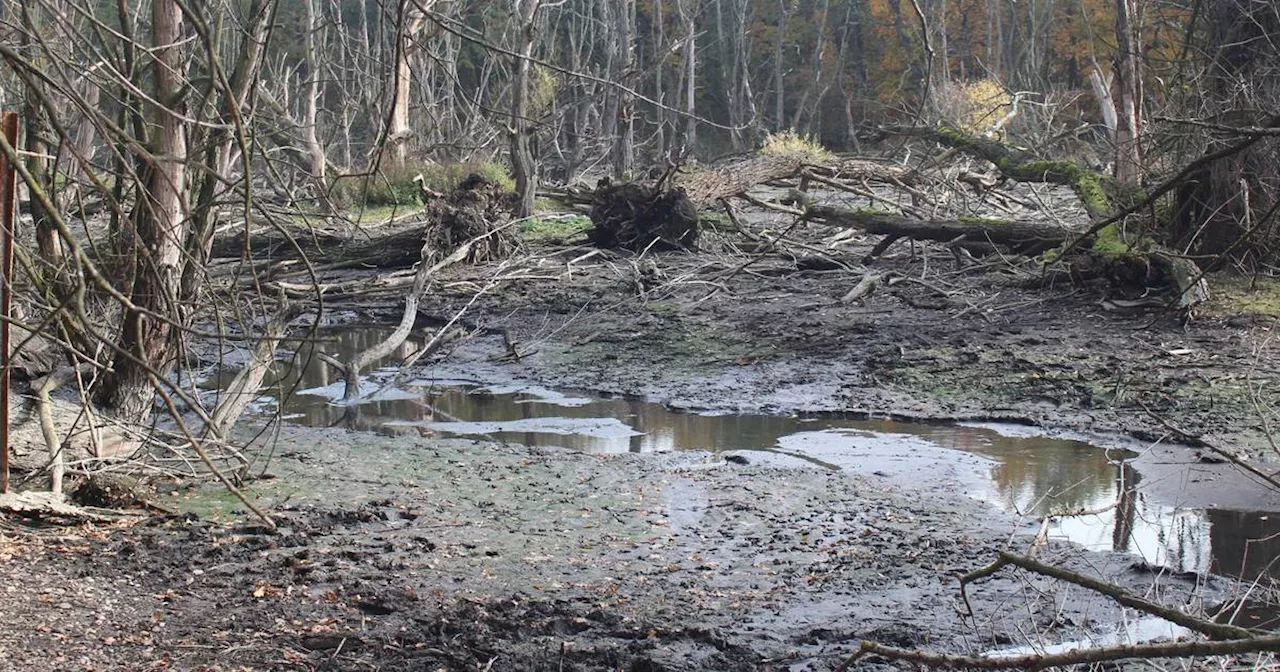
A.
x: 428, y: 553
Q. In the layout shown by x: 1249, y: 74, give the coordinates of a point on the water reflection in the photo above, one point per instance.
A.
x: 1245, y: 543
x: 1026, y: 474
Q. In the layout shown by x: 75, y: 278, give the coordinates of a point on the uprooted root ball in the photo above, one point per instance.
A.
x: 478, y: 207
x: 636, y: 216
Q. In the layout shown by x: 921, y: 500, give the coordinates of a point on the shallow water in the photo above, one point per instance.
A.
x: 1014, y: 468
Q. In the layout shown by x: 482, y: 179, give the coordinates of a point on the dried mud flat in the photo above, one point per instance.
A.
x: 425, y: 553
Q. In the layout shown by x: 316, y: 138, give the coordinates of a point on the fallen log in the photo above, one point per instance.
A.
x: 1021, y: 237
x: 478, y: 208
x: 1104, y: 198
x: 46, y: 505
x: 663, y: 212
x: 1152, y: 270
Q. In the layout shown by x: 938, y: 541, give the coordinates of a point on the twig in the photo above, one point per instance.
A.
x: 865, y: 286
x: 1215, y: 630
x: 770, y: 206
x: 208, y: 463
x: 773, y: 244
x: 1226, y: 454
x: 1077, y: 657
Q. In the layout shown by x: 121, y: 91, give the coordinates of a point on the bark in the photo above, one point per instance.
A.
x: 35, y: 129
x: 244, y: 388
x: 660, y: 49
x: 1128, y: 130
x: 1018, y: 236
x: 147, y: 339
x: 410, y: 25
x: 624, y: 153
x: 477, y: 208
x: 779, y: 66
x: 522, y: 159
x: 744, y: 101
x: 315, y: 151
x: 688, y: 16
x: 1106, y: 104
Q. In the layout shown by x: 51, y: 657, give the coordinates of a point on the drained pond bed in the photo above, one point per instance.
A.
x: 1074, y: 490
x: 421, y: 529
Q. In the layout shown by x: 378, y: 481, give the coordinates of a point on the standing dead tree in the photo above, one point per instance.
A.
x: 525, y: 13
x: 1227, y: 208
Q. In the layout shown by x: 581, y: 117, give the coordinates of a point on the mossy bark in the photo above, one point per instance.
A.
x: 1100, y: 194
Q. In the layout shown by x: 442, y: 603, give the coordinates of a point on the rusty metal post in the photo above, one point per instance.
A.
x: 8, y: 203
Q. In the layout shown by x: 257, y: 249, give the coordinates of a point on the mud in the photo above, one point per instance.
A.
x: 1134, y: 502
x: 477, y: 555
x: 412, y: 551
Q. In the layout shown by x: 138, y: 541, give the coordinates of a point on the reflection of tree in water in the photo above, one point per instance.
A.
x: 1126, y: 507
x: 1039, y: 475
x: 1184, y: 536
x: 1245, y: 543
x: 303, y: 371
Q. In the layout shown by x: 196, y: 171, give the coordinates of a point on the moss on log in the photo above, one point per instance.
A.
x: 1100, y: 194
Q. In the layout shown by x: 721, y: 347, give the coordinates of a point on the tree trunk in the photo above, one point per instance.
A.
x: 624, y: 153
x: 146, y: 340
x: 1022, y: 237
x: 1128, y: 129
x: 779, y: 66
x: 522, y: 160
x: 689, y: 16
x: 35, y: 128
x: 315, y: 151
x: 411, y: 23
x: 1228, y: 207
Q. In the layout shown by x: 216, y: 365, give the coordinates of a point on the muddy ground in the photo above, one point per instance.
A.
x: 408, y: 553
x: 483, y: 556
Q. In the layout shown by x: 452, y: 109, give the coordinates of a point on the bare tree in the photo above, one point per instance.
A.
x: 1128, y: 129
x: 1229, y: 204
x: 410, y: 22
x: 159, y: 230
x: 521, y: 132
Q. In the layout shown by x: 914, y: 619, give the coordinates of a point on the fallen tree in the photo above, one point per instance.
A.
x: 1107, y: 201
x: 1225, y: 639
x: 478, y: 208
x: 663, y: 212
x: 636, y: 215
x: 1022, y: 237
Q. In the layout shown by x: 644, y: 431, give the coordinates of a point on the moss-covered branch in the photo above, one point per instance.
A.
x: 1100, y: 194
x: 1105, y: 199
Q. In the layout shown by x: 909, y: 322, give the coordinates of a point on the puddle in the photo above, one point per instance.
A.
x: 1011, y: 467
x: 1137, y: 631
